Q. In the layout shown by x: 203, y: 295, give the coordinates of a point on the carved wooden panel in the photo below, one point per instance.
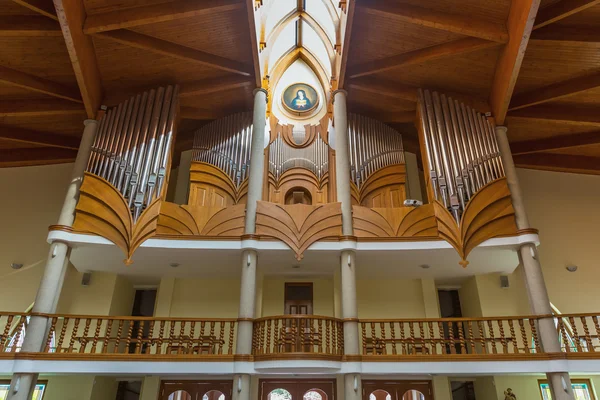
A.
x: 212, y: 187
x: 298, y: 178
x: 385, y: 188
x: 103, y: 211
x: 394, y: 222
x: 201, y: 221
x: 488, y: 214
x: 299, y: 226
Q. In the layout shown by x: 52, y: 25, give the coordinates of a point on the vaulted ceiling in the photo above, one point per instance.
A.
x: 534, y: 65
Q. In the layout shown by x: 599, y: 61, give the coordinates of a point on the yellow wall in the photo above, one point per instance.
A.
x: 205, y: 298
x: 523, y: 386
x: 274, y: 292
x: 79, y: 387
x: 392, y: 298
x: 565, y: 208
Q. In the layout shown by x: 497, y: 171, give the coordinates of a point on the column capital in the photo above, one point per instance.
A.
x: 258, y: 90
x: 342, y: 91
x: 90, y: 121
x: 501, y: 129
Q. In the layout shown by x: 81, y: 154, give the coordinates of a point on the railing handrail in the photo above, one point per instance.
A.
x: 299, y: 316
x: 132, y: 318
x: 462, y: 319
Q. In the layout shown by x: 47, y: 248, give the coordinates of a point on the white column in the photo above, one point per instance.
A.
x: 242, y: 387
x: 342, y: 159
x: 352, y: 387
x: 536, y: 287
x: 257, y: 158
x: 46, y: 300
x: 349, y: 307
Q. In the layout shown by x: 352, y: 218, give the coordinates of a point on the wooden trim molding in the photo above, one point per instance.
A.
x: 394, y: 222
x: 185, y: 220
x: 299, y: 225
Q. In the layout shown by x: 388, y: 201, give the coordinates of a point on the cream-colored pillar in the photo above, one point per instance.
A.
x: 560, y: 382
x: 46, y: 300
x: 352, y: 387
x: 442, y: 389
x: 164, y: 297
x: 431, y: 302
x: 150, y: 388
x: 342, y: 159
x: 242, y: 387
x: 257, y: 158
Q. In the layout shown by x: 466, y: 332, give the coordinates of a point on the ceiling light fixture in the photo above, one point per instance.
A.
x: 174, y: 265
x: 571, y: 268
x: 425, y: 266
x: 16, y: 265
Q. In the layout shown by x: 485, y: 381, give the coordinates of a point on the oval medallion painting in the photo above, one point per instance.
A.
x: 300, y: 98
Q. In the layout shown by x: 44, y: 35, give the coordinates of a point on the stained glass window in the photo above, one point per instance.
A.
x: 581, y: 390
x: 38, y: 392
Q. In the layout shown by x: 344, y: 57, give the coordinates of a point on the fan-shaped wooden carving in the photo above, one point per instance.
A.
x: 488, y: 214
x: 103, y: 211
x: 394, y: 222
x: 298, y: 225
x: 201, y: 221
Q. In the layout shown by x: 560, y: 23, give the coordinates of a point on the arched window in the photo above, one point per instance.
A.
x: 279, y: 394
x: 314, y: 394
x: 213, y: 395
x: 180, y: 395
x: 380, y: 395
x: 413, y: 395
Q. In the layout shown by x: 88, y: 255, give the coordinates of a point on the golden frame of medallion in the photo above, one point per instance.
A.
x: 303, y: 112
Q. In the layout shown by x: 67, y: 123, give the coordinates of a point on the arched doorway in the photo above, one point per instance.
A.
x: 196, y: 390
x: 397, y: 390
x: 298, y: 389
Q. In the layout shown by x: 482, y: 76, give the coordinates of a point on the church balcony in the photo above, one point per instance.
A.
x: 300, y: 337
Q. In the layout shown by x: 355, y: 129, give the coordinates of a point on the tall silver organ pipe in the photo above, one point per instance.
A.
x: 283, y: 157
x: 225, y: 143
x: 461, y: 148
x: 373, y: 145
x: 133, y: 146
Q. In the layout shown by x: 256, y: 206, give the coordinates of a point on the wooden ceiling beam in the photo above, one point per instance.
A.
x: 28, y: 25
x: 171, y: 49
x: 392, y: 117
x: 560, y: 10
x: 43, y: 7
x: 155, y: 13
x: 567, y: 34
x: 196, y: 113
x: 453, y: 48
x: 21, y: 79
x: 71, y: 15
x: 36, y: 156
x: 254, y: 45
x: 576, y: 114
x: 208, y: 86
x: 29, y: 136
x: 38, y: 107
x: 555, y: 143
x: 345, y: 28
x: 520, y: 23
x: 555, y: 91
x: 460, y: 24
x: 409, y: 92
x: 559, y: 162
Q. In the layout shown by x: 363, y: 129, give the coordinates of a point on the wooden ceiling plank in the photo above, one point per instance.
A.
x: 567, y: 34
x: 346, y: 24
x: 21, y: 79
x: 29, y: 136
x: 35, y: 156
x: 575, y: 114
x: 559, y: 162
x: 71, y: 15
x: 409, y: 92
x: 460, y: 24
x: 208, y: 86
x: 555, y: 143
x: 38, y: 107
x: 155, y: 13
x: 560, y: 10
x: 170, y: 49
x: 196, y: 113
x: 28, y: 25
x: 453, y: 48
x: 254, y: 46
x: 520, y: 23
x: 43, y: 7
x: 555, y: 91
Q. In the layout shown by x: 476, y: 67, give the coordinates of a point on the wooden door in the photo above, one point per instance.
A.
x: 397, y: 390
x: 196, y: 390
x: 298, y: 298
x: 298, y: 389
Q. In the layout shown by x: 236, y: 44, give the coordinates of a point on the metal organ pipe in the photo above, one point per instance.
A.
x: 133, y: 147
x: 461, y: 149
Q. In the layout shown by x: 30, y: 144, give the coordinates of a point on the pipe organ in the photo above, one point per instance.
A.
x: 373, y: 146
x: 133, y: 146
x: 461, y: 149
x: 225, y: 144
x: 284, y: 157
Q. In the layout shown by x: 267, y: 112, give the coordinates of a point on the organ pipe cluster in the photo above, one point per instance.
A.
x: 226, y: 143
x: 373, y: 145
x: 133, y: 146
x: 283, y: 157
x: 461, y: 149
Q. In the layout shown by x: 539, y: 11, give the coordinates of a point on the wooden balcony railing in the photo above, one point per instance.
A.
x: 292, y: 335
x: 12, y: 328
x: 579, y: 332
x: 101, y: 335
x: 450, y: 336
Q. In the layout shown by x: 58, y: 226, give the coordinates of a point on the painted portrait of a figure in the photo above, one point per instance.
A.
x: 300, y: 98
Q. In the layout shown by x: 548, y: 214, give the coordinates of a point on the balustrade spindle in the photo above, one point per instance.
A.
x: 129, y: 335
x: 84, y: 338
x: 96, y: 334
x: 73, y: 335
x: 563, y: 332
x: 461, y: 338
x: 432, y: 345
x: 47, y: 348
x: 161, y: 332
x: 451, y: 336
x: 482, y: 337
x: 513, y: 339
x: 492, y: 338
x: 403, y: 338
x: 151, y: 337
x: 231, y: 333
x: 586, y: 332
x: 269, y: 336
x: 393, y: 333
x: 524, y: 336
x: 329, y: 336
x: 181, y: 337
x: 575, y: 334
x: 422, y: 336
x: 502, y: 337
x: 412, y: 338
x: 138, y: 343
x: 18, y: 334
x: 6, y: 331
x: 536, y: 340
x: 63, y: 332
x: 221, y: 336
x: 320, y: 322
x: 471, y: 338
x: 384, y: 344
x: 119, y: 333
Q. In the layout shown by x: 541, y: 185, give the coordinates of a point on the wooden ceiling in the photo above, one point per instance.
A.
x: 533, y: 64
